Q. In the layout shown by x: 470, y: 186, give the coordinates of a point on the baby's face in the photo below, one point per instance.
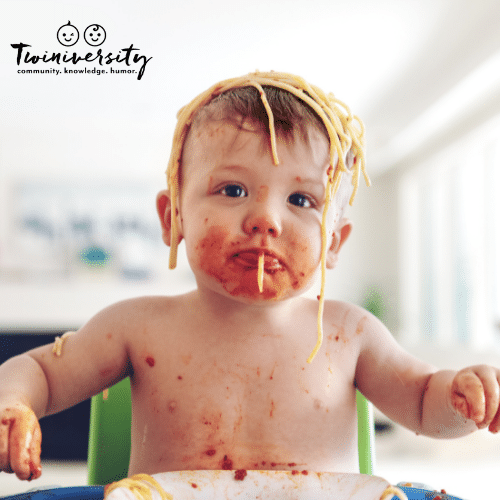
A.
x: 235, y: 204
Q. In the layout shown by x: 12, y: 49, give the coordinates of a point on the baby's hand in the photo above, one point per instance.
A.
x: 475, y: 394
x: 20, y: 441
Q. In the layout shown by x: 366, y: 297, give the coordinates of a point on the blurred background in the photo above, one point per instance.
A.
x: 82, y: 156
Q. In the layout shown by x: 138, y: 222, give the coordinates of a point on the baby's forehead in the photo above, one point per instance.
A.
x: 230, y: 133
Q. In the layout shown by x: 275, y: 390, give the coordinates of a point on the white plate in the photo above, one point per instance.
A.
x: 263, y: 485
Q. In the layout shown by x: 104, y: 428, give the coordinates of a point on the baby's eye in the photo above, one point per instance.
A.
x: 233, y: 190
x: 301, y: 200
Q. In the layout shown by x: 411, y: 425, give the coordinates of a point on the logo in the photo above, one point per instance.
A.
x: 95, y: 35
x: 68, y: 35
x: 127, y: 60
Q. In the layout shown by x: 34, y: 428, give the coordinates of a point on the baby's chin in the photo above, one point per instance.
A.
x: 247, y: 290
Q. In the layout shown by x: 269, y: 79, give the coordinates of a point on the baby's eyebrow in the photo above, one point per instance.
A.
x: 310, y: 182
x: 231, y: 168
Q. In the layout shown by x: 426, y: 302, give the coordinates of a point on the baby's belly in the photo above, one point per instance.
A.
x: 232, y: 439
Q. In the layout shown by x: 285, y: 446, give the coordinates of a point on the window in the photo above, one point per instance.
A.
x: 450, y: 244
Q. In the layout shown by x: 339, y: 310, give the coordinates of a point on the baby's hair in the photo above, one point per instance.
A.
x: 344, y: 130
x: 245, y: 103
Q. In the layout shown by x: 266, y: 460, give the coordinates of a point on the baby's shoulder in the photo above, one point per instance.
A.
x: 350, y: 317
x: 343, y: 310
x: 130, y: 314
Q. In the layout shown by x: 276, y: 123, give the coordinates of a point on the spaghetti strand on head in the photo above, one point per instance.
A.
x: 345, y: 133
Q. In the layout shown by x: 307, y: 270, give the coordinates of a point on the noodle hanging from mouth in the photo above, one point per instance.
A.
x: 260, y: 273
x: 345, y: 132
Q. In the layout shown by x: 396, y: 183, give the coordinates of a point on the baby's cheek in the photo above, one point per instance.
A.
x: 303, y: 262
x: 210, y: 254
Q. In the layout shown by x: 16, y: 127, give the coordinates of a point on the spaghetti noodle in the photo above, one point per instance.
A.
x: 345, y: 132
x: 260, y: 272
x: 392, y: 491
x: 139, y: 486
x: 59, y: 342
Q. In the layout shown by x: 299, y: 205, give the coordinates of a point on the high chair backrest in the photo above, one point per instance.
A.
x: 110, y: 424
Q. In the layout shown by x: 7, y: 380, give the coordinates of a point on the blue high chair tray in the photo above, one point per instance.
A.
x: 68, y: 493
x: 97, y: 493
x: 424, y: 493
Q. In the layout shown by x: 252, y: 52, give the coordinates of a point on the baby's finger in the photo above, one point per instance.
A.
x: 5, y: 424
x: 489, y: 378
x: 35, y: 452
x: 495, y: 423
x: 468, y: 396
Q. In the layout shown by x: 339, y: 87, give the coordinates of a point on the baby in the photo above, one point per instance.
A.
x: 261, y: 171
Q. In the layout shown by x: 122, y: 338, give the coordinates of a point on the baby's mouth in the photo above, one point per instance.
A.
x: 250, y: 260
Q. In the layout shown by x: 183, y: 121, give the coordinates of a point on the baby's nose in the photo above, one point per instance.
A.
x: 265, y: 224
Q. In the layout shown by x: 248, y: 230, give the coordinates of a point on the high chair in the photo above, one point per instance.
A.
x: 110, y: 424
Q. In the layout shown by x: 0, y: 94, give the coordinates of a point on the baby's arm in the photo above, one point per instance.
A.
x: 440, y: 404
x: 40, y: 382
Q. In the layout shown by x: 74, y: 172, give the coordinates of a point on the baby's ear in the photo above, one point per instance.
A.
x: 164, y: 209
x: 339, y: 237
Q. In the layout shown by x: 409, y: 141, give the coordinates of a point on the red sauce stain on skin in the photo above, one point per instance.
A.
x: 211, y: 452
x: 337, y: 338
x: 227, y: 463
x: 292, y: 464
x: 237, y: 425
x: 150, y: 361
x: 273, y: 464
x: 360, y: 325
x: 218, y: 256
x: 263, y: 463
x: 304, y: 472
x: 194, y: 485
x: 240, y: 474
x: 294, y: 472
x: 262, y: 194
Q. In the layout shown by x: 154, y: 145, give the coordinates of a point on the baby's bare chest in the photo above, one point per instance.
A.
x: 241, y: 403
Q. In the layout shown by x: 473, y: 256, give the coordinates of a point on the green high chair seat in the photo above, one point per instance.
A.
x: 110, y: 425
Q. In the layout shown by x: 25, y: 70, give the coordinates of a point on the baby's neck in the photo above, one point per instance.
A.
x: 270, y: 313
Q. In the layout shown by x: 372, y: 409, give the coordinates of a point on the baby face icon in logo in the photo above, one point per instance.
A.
x: 94, y: 35
x: 68, y: 35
